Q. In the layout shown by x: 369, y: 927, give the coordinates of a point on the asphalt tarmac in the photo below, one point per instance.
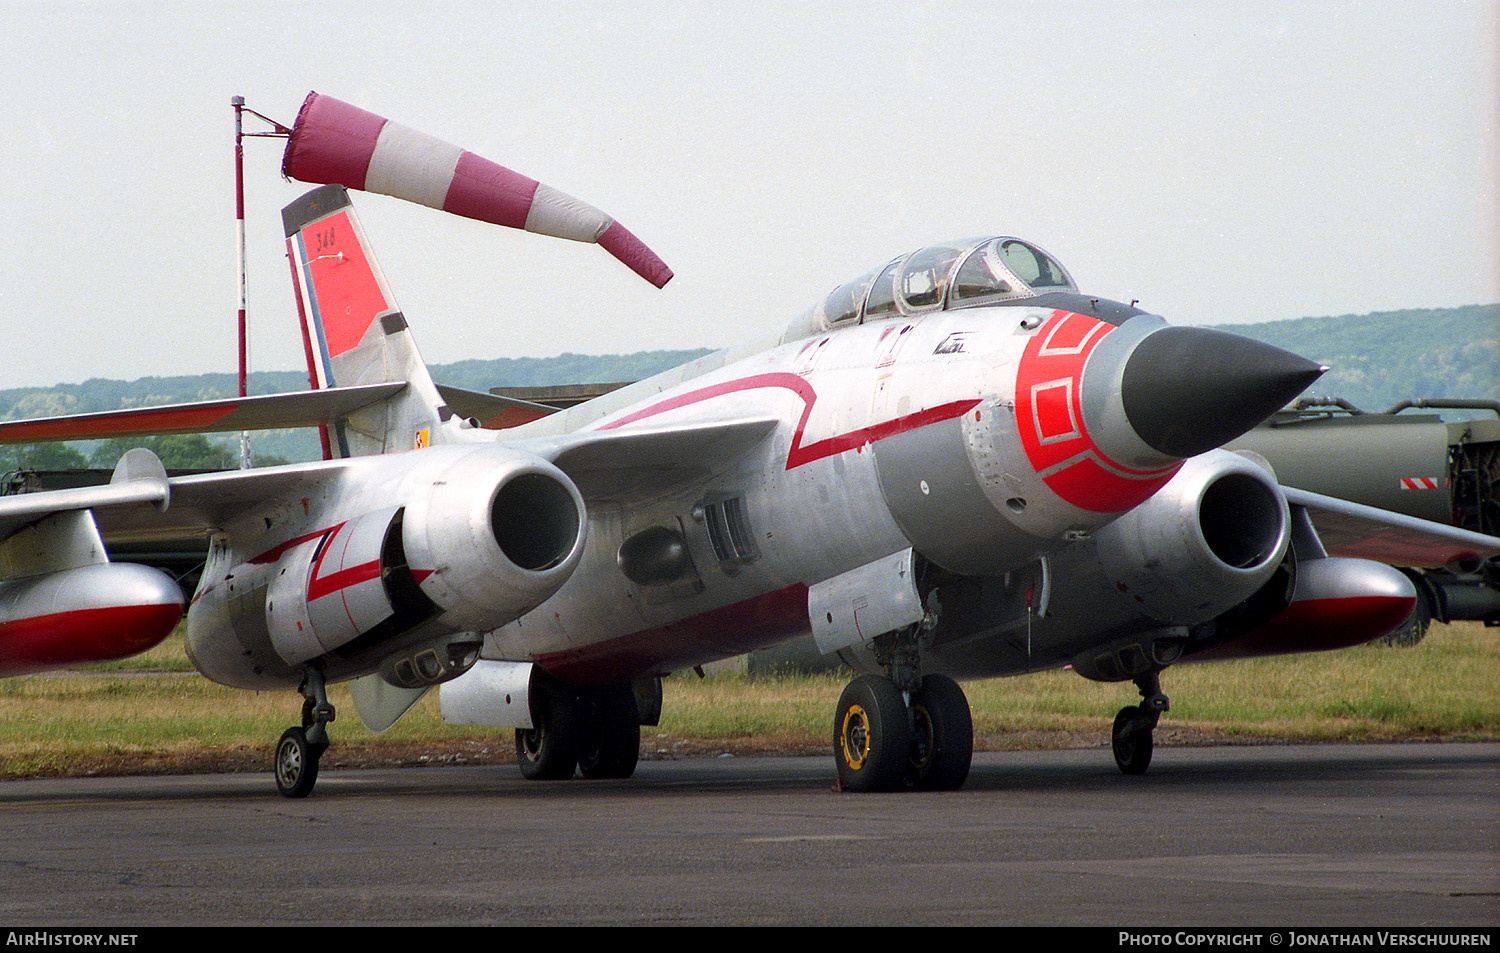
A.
x: 1295, y: 836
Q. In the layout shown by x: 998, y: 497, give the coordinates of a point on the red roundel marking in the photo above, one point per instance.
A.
x: 1049, y: 418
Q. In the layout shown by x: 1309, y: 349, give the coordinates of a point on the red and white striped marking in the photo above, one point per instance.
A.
x: 93, y: 613
x: 333, y: 142
x: 1419, y: 483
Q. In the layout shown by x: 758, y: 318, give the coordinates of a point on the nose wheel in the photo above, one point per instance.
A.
x: 1131, y: 740
x: 296, y: 763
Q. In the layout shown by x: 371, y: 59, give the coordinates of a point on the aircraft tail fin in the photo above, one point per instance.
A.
x: 353, y: 331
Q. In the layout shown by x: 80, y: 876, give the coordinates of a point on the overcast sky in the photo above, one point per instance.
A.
x: 1221, y: 162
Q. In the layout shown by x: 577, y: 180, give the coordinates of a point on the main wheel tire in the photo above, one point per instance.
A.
x: 614, y: 743
x: 872, y: 736
x: 1131, y: 742
x: 549, y: 750
x: 942, y: 735
x: 296, y: 763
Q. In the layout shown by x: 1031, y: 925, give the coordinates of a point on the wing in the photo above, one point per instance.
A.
x: 142, y: 504
x: 139, y: 483
x: 1353, y: 529
x: 271, y: 412
x: 650, y: 461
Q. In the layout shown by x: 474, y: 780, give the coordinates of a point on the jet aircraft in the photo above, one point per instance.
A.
x: 957, y: 466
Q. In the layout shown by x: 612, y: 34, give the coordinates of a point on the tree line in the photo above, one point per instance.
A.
x: 1375, y: 360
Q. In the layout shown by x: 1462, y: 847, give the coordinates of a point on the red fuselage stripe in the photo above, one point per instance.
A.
x: 799, y: 455
x: 276, y: 552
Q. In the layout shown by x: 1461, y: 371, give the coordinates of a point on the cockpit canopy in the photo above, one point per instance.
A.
x: 962, y: 274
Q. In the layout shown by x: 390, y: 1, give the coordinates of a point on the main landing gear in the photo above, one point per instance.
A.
x: 300, y: 749
x: 594, y: 730
x: 886, y: 737
x: 1131, y: 737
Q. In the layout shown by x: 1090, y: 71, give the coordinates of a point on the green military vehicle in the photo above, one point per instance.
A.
x: 1409, y: 460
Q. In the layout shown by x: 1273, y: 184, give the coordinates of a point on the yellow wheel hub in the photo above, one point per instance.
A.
x: 854, y: 737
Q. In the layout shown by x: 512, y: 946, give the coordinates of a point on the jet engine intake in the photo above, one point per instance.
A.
x: 492, y: 534
x: 1206, y: 541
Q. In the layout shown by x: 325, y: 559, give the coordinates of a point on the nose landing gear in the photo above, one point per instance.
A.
x: 1131, y: 738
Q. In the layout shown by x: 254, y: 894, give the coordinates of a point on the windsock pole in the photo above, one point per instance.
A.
x: 281, y: 132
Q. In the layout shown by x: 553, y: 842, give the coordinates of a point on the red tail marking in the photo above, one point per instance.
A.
x: 348, y: 294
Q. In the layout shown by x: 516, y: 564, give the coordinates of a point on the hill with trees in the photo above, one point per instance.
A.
x: 1375, y: 360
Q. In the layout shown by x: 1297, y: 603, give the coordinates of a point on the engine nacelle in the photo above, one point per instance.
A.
x: 480, y: 536
x: 1206, y: 541
x: 1124, y: 599
x: 338, y: 586
x: 491, y: 534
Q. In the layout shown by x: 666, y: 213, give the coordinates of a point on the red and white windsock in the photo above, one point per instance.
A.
x: 334, y: 143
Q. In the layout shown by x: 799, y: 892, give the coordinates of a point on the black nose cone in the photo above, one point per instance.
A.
x: 1189, y: 390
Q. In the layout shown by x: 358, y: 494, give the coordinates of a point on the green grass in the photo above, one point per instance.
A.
x: 154, y: 706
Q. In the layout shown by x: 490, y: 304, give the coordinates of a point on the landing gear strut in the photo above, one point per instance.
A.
x: 904, y: 730
x: 1131, y: 737
x: 300, y: 749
